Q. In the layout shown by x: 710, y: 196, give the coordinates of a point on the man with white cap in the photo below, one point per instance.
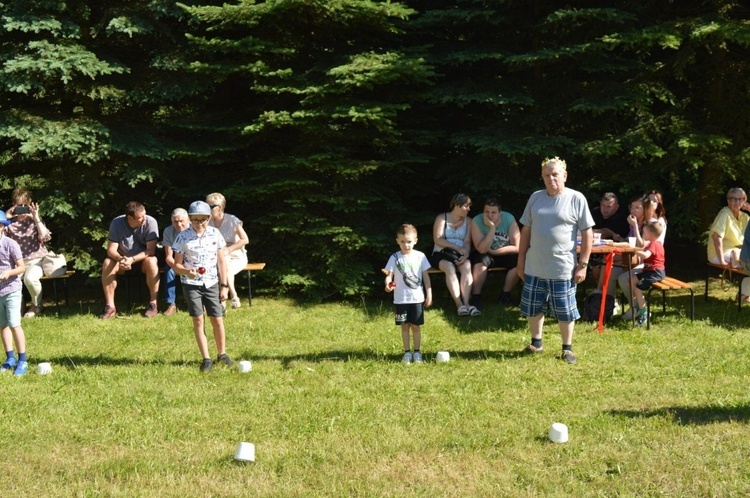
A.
x: 199, y: 260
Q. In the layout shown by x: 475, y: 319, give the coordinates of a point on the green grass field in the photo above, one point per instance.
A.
x: 332, y: 412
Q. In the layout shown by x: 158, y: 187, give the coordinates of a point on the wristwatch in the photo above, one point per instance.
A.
x: 584, y: 264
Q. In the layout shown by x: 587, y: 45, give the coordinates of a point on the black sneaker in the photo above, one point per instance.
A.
x: 207, y: 365
x: 568, y: 356
x: 225, y: 359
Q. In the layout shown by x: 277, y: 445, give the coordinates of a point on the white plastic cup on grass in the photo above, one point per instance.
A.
x: 44, y: 368
x: 245, y: 366
x: 558, y: 433
x: 245, y: 452
x: 443, y: 357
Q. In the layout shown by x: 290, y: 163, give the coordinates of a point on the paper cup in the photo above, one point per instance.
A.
x: 631, y: 241
x: 44, y: 368
x: 558, y: 433
x: 443, y: 357
x: 245, y: 366
x: 597, y: 237
x: 245, y: 452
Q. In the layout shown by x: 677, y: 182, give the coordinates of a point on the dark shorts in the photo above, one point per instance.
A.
x: 508, y: 261
x: 559, y: 296
x: 409, y: 313
x: 648, y: 277
x: 199, y: 296
x: 435, y: 258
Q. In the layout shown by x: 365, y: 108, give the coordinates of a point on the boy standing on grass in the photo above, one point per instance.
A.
x: 653, y: 266
x: 406, y: 275
x: 199, y: 260
x: 11, y: 267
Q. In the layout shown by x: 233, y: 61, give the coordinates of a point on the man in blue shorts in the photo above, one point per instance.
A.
x: 547, y: 261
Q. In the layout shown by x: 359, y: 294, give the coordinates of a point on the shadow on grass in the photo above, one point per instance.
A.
x: 365, y: 356
x: 74, y: 361
x: 693, y: 415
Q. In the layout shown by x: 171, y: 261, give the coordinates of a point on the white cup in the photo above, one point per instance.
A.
x: 631, y: 241
x: 245, y: 452
x: 558, y: 433
x: 597, y: 237
x: 443, y: 357
x: 44, y: 368
x: 245, y: 366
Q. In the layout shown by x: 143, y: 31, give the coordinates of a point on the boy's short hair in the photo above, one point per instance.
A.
x: 406, y: 228
x: 654, y: 226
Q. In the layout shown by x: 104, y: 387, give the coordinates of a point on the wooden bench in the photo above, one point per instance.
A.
x: 64, y: 278
x: 724, y: 270
x: 250, y: 268
x: 668, y: 283
x: 433, y: 270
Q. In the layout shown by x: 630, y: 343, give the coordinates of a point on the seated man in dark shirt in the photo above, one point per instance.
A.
x: 611, y: 220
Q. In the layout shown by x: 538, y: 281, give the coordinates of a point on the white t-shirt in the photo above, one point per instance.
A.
x: 407, y: 272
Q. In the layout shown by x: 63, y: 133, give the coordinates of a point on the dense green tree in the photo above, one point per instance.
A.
x: 81, y: 92
x: 301, y: 113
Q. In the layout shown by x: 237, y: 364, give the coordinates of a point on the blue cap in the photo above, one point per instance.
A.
x: 199, y: 207
x: 3, y: 219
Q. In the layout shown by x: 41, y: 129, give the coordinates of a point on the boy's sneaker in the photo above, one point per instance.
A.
x: 9, y: 364
x: 21, y: 368
x: 417, y: 357
x: 207, y: 365
x: 224, y: 358
x: 568, y: 356
x: 407, y: 358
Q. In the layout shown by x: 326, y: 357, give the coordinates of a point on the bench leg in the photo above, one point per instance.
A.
x: 648, y: 309
x: 54, y: 291
x: 249, y: 288
x: 692, y: 305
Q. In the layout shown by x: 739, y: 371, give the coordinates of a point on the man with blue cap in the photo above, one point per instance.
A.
x: 199, y: 260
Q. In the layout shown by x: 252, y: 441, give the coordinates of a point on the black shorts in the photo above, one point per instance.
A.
x: 646, y: 278
x: 508, y: 261
x: 409, y: 313
x: 435, y: 258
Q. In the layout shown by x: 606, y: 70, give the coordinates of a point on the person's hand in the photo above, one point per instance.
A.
x: 4, y: 275
x: 632, y: 220
x: 34, y: 209
x: 126, y: 263
x: 488, y: 223
x: 580, y: 275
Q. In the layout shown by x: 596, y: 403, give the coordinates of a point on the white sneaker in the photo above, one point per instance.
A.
x: 417, y: 357
x: 406, y: 359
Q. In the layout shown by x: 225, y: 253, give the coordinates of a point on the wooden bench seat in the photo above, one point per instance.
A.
x: 668, y: 283
x: 64, y: 278
x: 433, y: 270
x: 730, y: 272
x: 250, y: 268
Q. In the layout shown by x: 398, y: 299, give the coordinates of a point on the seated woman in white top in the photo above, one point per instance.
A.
x: 236, y: 238
x: 451, y: 251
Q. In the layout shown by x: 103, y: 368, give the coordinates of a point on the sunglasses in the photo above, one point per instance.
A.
x: 212, y: 206
x: 196, y: 220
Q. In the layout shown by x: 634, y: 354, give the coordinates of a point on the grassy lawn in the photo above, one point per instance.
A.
x: 332, y: 412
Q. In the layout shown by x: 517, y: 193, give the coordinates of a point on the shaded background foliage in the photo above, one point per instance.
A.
x: 328, y: 123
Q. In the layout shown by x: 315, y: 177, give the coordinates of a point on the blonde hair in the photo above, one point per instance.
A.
x: 216, y: 199
x: 654, y: 227
x: 405, y: 229
x: 553, y: 162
